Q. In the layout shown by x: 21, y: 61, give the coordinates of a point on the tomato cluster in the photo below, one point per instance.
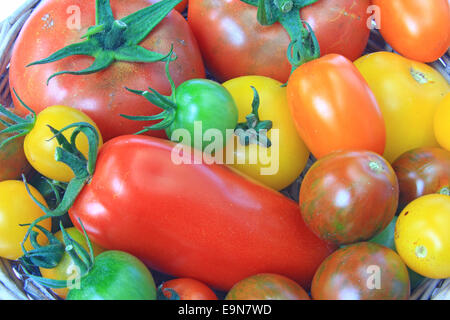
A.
x: 144, y: 165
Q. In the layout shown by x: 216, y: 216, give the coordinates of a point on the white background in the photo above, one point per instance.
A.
x: 8, y: 6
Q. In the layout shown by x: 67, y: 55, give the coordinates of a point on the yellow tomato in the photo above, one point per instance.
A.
x: 280, y: 164
x: 40, y: 150
x: 66, y: 269
x: 16, y: 208
x: 422, y: 236
x: 442, y: 123
x: 408, y: 93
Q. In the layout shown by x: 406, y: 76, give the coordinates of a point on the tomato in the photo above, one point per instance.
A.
x: 417, y: 29
x: 40, y: 148
x: 422, y: 238
x: 234, y: 44
x: 408, y: 94
x: 362, y: 271
x: 267, y: 286
x: 197, y: 107
x: 333, y: 107
x: 102, y: 95
x: 17, y: 207
x: 441, y: 121
x: 185, y: 289
x: 224, y: 226
x: 66, y: 269
x: 115, y: 276
x: 280, y: 164
x: 348, y: 197
x: 182, y: 6
x: 422, y: 171
x: 13, y: 162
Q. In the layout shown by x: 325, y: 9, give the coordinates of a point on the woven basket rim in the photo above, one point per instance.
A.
x: 15, y: 286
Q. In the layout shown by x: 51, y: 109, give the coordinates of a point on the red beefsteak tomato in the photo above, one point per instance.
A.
x: 199, y: 221
x: 234, y: 44
x: 101, y: 95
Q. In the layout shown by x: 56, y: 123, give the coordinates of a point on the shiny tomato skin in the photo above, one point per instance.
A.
x: 234, y: 44
x: 422, y: 171
x: 351, y: 273
x: 187, y: 289
x: 348, y: 197
x: 334, y: 108
x: 12, y: 158
x: 267, y: 286
x: 200, y: 221
x: 417, y: 29
x: 102, y: 95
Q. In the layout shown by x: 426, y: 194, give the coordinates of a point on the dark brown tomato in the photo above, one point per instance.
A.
x: 234, y: 44
x: 362, y: 271
x: 422, y: 171
x: 267, y: 286
x: 12, y: 158
x: 349, y: 196
x: 101, y: 95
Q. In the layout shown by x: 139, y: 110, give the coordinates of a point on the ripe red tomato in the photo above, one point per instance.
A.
x: 267, y: 286
x: 199, y: 221
x: 362, y: 271
x: 348, y: 197
x: 334, y: 108
x: 234, y: 44
x: 186, y: 289
x: 417, y: 29
x: 102, y: 95
x: 422, y: 171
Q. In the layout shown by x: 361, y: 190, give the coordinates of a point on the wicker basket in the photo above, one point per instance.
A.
x: 15, y: 286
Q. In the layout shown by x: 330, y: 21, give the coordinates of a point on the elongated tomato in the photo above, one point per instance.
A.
x: 334, y: 108
x: 200, y: 221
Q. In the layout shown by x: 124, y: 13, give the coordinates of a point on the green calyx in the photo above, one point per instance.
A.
x: 304, y: 45
x: 167, y: 103
x: 18, y: 125
x: 113, y: 40
x: 83, y: 260
x: 254, y: 130
x: 82, y: 168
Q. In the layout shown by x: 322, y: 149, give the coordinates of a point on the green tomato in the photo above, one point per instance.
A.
x: 206, y: 103
x: 386, y: 238
x: 116, y: 275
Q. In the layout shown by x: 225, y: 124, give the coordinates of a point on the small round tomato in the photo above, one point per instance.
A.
x: 362, y: 271
x: 279, y: 164
x: 417, y: 29
x: 185, y: 289
x: 347, y: 197
x: 66, y: 269
x: 267, y: 286
x: 333, y: 107
x: 116, y: 275
x: 422, y: 235
x: 408, y: 93
x: 422, y: 171
x: 40, y: 148
x: 13, y: 162
x: 441, y: 123
x: 16, y: 208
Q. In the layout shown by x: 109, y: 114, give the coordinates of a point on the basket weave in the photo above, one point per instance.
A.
x: 15, y: 286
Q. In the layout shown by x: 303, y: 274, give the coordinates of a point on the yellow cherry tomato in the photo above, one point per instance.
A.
x: 40, y: 150
x: 16, y: 208
x: 280, y: 164
x: 66, y: 269
x: 442, y: 123
x: 422, y: 236
x: 408, y: 94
